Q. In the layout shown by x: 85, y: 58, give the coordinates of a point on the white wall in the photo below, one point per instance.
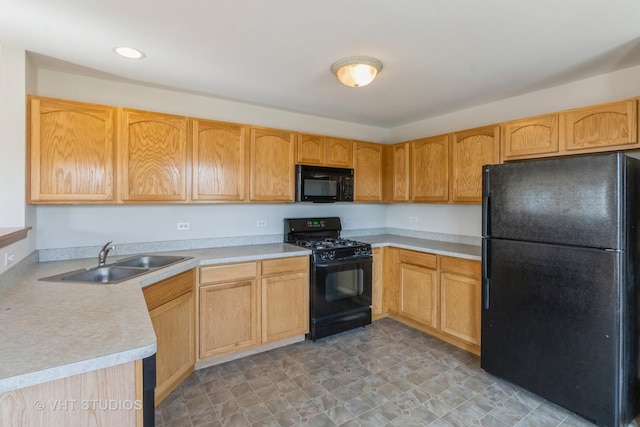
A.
x: 17, y: 77
x: 77, y: 226
x: 463, y: 220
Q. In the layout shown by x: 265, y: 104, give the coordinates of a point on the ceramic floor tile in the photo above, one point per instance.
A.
x: 385, y: 374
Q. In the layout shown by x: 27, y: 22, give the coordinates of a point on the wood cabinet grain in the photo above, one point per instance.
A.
x: 153, y: 157
x: 430, y: 169
x: 339, y: 152
x: 311, y: 149
x: 272, y: 165
x: 219, y: 159
x: 368, y: 171
x: 532, y: 137
x: 71, y: 152
x: 471, y: 149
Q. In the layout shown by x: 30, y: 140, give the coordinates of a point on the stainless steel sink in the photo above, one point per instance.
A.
x: 106, y: 274
x: 151, y: 261
x: 119, y: 271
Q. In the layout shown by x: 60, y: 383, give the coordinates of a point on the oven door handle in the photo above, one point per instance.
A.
x: 366, y: 259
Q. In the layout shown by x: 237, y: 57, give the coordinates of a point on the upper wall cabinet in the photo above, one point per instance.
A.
x: 397, y: 173
x: 534, y: 137
x: 605, y: 127
x: 602, y: 127
x: 430, y: 169
x: 470, y: 150
x: 272, y: 165
x: 324, y: 151
x: 368, y: 171
x: 153, y: 157
x: 71, y: 152
x: 219, y: 153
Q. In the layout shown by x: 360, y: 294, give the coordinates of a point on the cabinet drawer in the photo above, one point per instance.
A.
x: 419, y: 258
x: 283, y: 265
x: 162, y: 292
x: 465, y: 267
x: 224, y: 273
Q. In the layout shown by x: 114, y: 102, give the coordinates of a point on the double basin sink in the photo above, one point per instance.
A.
x: 119, y: 271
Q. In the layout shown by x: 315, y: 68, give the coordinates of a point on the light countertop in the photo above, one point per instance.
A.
x: 51, y: 330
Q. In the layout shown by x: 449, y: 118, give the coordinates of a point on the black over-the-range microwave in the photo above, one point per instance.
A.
x: 322, y: 184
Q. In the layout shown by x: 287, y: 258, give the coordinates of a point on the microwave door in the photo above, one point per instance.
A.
x: 319, y: 188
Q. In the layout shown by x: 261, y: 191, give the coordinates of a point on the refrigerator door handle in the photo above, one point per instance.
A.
x: 486, y: 202
x: 485, y: 274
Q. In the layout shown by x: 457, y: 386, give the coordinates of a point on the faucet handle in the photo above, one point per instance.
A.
x: 102, y: 256
x: 106, y: 246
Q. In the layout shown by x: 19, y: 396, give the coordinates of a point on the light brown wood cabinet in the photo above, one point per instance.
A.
x: 37, y: 405
x: 437, y: 294
x: 244, y: 305
x: 324, y: 151
x: 285, y: 298
x: 418, y: 287
x: 377, y: 304
x: 219, y: 159
x: 397, y: 173
x: 533, y: 137
x: 229, y: 299
x: 272, y: 165
x: 597, y: 128
x: 153, y: 157
x: 171, y: 305
x: 368, y: 171
x: 430, y: 169
x: 71, y: 152
x: 601, y: 127
x: 460, y: 299
x: 470, y: 150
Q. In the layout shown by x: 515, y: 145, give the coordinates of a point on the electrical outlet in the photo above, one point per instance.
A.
x: 8, y: 258
x: 261, y: 223
x: 183, y: 226
x: 413, y: 219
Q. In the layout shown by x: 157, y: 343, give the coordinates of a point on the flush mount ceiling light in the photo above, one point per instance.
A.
x: 128, y: 52
x: 356, y: 71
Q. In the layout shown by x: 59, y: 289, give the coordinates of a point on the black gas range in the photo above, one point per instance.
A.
x: 340, y: 279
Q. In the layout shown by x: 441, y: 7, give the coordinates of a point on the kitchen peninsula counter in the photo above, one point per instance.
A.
x: 52, y: 330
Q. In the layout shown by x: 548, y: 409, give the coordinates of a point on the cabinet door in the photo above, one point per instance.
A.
x: 311, y: 149
x: 377, y: 291
x: 174, y: 325
x: 285, y: 306
x: 219, y: 161
x: 430, y: 169
x: 154, y: 157
x: 398, y: 178
x: 602, y: 127
x: 339, y: 152
x: 368, y: 172
x: 418, y: 297
x: 471, y: 150
x: 272, y: 164
x: 460, y: 299
x: 71, y: 151
x: 228, y: 317
x: 531, y: 137
x: 171, y: 305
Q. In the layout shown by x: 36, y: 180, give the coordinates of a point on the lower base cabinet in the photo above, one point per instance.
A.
x: 439, y: 295
x: 171, y: 305
x: 244, y: 305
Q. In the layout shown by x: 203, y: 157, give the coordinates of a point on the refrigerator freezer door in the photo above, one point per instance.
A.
x: 572, y: 201
x: 552, y: 325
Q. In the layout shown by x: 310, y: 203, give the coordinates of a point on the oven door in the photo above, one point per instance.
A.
x: 340, y: 286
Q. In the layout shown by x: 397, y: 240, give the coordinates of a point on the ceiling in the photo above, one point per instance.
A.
x: 438, y: 56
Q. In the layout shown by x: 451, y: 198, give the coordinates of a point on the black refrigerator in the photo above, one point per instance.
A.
x: 559, y: 281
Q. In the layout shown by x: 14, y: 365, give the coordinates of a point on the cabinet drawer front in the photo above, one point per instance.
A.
x: 283, y: 265
x: 418, y: 258
x: 224, y: 273
x: 462, y: 266
x: 162, y: 292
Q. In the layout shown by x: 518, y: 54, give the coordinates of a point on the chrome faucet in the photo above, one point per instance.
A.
x: 102, y: 256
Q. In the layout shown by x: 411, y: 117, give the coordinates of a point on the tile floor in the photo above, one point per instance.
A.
x: 386, y: 374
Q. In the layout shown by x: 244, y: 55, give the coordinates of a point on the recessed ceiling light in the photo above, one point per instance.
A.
x: 128, y: 52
